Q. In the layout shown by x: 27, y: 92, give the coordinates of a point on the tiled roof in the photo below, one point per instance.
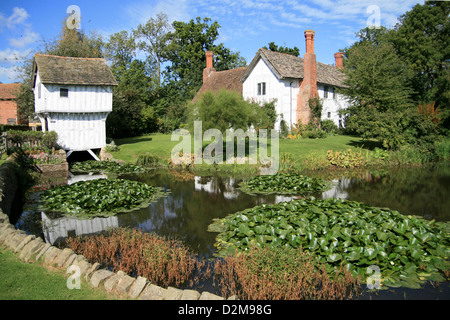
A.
x: 286, y: 66
x: 75, y: 71
x: 8, y: 91
x: 228, y: 79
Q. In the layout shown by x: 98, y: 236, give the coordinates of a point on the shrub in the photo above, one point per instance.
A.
x: 31, y: 139
x: 314, y: 134
x: 147, y: 160
x: 226, y: 110
x: 345, y: 159
x: 329, y: 126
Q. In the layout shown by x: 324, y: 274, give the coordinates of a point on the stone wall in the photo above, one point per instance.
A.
x: 30, y: 248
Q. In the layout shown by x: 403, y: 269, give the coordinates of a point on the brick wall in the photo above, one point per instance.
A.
x: 8, y: 110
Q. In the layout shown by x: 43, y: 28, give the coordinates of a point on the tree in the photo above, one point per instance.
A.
x: 226, y: 110
x: 75, y: 43
x: 376, y: 77
x: 25, y: 103
x: 378, y: 87
x: 186, y: 54
x: 120, y: 50
x: 132, y: 112
x: 421, y: 39
x: 155, y: 39
x: 292, y: 51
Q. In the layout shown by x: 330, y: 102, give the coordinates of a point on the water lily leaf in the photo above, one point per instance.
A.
x: 334, y: 257
x: 382, y: 236
x: 353, y: 256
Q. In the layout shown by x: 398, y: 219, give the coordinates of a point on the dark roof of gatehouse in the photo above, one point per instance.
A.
x: 72, y: 71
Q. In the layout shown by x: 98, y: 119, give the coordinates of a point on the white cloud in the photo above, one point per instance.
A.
x: 9, y: 74
x: 18, y: 16
x: 25, y: 39
x: 141, y: 12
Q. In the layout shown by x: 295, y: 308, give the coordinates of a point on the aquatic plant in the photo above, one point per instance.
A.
x: 407, y: 249
x: 282, y: 273
x: 101, y: 197
x: 162, y: 261
x: 105, y: 167
x: 283, y: 183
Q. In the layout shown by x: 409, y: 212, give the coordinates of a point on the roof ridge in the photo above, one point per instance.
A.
x: 66, y: 57
x: 287, y: 54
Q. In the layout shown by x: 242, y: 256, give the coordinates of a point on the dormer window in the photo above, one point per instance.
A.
x: 63, y: 92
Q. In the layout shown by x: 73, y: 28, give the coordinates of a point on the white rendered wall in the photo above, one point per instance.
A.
x: 80, y: 98
x: 79, y: 131
x: 331, y: 105
x: 284, y: 91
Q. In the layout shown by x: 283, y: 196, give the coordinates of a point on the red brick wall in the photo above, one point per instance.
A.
x: 8, y: 109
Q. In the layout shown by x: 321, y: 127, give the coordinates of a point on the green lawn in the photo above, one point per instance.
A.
x: 160, y: 145
x: 32, y: 281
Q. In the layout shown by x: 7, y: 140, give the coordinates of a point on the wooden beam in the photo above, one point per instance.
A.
x: 93, y: 154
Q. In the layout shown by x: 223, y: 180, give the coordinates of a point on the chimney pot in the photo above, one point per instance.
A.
x: 209, y: 66
x: 209, y: 59
x: 309, y: 37
x: 339, y: 60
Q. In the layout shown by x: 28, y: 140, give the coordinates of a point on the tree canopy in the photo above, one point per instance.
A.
x: 398, y: 79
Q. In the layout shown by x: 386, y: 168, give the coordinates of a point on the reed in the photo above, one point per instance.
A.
x: 162, y: 261
x: 282, y: 274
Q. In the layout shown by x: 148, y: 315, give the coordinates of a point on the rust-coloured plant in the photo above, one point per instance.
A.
x: 162, y: 261
x: 282, y: 274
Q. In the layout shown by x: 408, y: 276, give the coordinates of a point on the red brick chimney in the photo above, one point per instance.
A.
x: 308, y: 86
x: 309, y: 38
x: 339, y: 60
x: 209, y: 66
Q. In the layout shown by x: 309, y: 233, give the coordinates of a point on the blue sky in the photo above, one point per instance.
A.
x: 246, y: 25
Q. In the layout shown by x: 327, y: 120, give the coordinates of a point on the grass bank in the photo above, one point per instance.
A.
x: 309, y: 152
x: 338, y: 151
x: 32, y: 281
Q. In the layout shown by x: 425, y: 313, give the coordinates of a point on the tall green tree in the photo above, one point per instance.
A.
x: 120, y: 50
x: 378, y: 88
x: 422, y: 39
x: 154, y: 40
x: 187, y: 59
x: 132, y: 112
x: 375, y: 75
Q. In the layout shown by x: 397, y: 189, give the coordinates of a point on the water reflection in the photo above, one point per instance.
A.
x: 195, y: 201
x: 57, y: 229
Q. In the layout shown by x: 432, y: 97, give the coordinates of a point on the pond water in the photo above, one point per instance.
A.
x: 195, y: 201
